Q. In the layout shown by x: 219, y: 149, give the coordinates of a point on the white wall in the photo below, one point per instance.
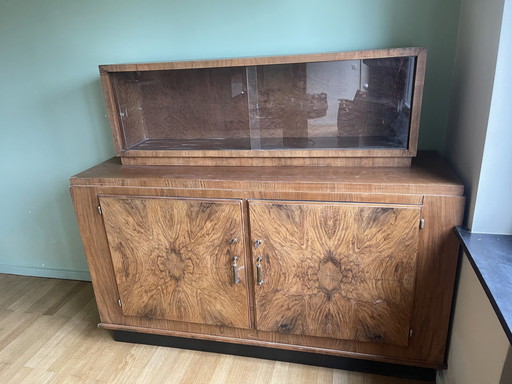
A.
x: 491, y: 214
x: 478, y: 345
x: 477, y: 50
x: 478, y: 148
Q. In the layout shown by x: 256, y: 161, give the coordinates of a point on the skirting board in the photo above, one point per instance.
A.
x: 348, y: 364
x: 45, y: 272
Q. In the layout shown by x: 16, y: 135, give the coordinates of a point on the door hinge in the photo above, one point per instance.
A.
x: 410, y: 333
x: 99, y: 210
x: 119, y: 303
x: 422, y: 223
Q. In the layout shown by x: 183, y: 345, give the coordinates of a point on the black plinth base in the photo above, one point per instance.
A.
x: 348, y: 364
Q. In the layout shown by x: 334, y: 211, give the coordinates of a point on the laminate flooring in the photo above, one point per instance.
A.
x: 48, y: 334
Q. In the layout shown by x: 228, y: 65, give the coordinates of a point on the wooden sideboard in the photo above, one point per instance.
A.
x: 346, y: 261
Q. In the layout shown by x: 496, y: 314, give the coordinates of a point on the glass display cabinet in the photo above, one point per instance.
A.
x: 362, y: 105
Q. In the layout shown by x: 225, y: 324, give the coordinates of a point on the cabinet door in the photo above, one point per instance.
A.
x: 344, y: 271
x: 178, y: 259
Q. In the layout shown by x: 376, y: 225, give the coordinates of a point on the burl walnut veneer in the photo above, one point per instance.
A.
x: 345, y: 261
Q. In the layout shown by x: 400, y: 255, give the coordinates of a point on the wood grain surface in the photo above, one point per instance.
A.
x: 244, y: 61
x: 428, y: 184
x: 143, y: 158
x: 173, y: 258
x: 437, y: 271
x: 334, y: 270
x: 419, y: 84
x: 433, y: 289
x: 428, y: 175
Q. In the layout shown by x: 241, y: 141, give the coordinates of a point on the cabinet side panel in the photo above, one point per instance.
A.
x: 437, y: 264
x: 421, y: 62
x: 127, y: 90
x: 98, y: 256
x: 113, y: 115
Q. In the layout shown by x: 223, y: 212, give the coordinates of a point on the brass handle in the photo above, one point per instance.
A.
x: 258, y: 271
x: 236, y: 278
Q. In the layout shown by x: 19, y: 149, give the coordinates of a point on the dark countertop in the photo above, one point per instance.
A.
x: 491, y: 258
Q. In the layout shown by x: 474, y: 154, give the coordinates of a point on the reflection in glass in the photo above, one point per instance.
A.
x: 323, y: 105
x: 339, y: 104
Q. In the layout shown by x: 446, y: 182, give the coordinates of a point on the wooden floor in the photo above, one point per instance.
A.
x: 48, y: 334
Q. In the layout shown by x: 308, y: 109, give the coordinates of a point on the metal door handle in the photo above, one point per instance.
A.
x: 258, y: 271
x: 236, y: 278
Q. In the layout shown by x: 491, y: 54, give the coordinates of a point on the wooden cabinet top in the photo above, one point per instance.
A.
x: 427, y: 175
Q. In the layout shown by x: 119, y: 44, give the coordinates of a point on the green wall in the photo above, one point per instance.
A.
x: 51, y: 106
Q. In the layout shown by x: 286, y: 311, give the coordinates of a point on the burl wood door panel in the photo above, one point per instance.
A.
x: 344, y: 271
x: 173, y: 258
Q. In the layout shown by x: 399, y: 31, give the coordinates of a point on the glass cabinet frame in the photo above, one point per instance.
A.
x: 358, y: 108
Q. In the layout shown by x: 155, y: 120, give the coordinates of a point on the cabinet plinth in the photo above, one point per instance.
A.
x: 345, y: 261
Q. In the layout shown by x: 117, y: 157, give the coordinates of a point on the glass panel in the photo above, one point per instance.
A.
x: 182, y: 109
x: 338, y: 104
x: 324, y: 105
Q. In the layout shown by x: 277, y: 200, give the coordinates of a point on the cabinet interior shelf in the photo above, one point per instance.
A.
x: 265, y: 143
